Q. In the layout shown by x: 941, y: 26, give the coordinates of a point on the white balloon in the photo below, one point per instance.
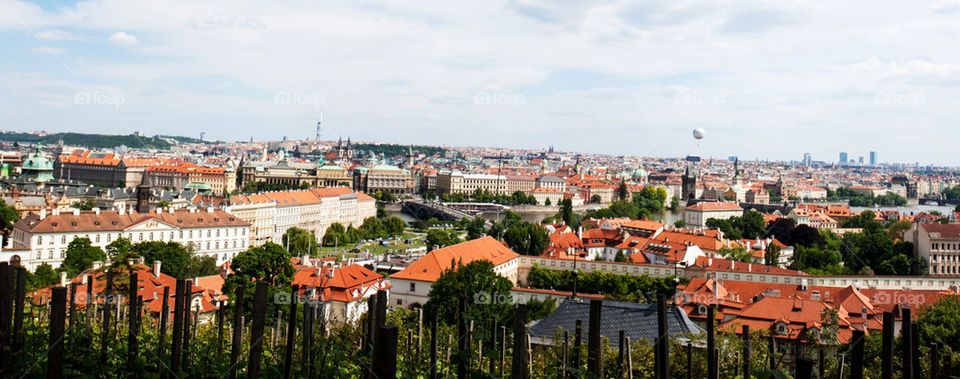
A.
x: 698, y: 133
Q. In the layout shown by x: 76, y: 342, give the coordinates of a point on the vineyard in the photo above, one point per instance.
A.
x: 68, y: 332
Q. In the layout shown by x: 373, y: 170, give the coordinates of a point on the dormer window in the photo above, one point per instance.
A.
x: 701, y: 309
x: 780, y: 328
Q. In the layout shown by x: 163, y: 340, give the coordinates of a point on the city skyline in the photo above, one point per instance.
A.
x: 625, y: 79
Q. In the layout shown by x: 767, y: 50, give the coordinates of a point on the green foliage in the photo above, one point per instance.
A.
x: 173, y: 256
x: 385, y: 196
x: 476, y: 228
x: 622, y: 191
x: 299, y: 241
x: 526, y: 238
x: 430, y: 195
x: 392, y: 150
x: 200, y: 265
x: 539, y: 309
x: 96, y: 141
x: 642, y: 288
x: 938, y: 323
x: 771, y: 255
x: 595, y: 199
x: 859, y: 199
x: 547, y: 202
x: 85, y: 205
x: 566, y: 212
x: 42, y: 276
x: 620, y: 257
x: 394, y: 226
x: 680, y: 223
x: 874, y: 248
x: 80, y: 256
x: 258, y: 186
x: 335, y: 235
x: 8, y: 216
x: 476, y: 288
x: 738, y: 254
x: 750, y: 226
x: 651, y: 198
x: 437, y: 238
x: 268, y: 263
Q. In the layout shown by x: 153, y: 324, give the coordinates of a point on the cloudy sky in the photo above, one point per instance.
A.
x: 766, y: 79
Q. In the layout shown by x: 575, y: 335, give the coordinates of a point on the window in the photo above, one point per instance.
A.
x: 151, y: 236
x: 190, y: 234
x: 400, y: 302
x: 208, y: 245
x: 208, y: 233
x: 181, y: 234
x: 39, y: 242
x: 218, y: 232
x: 413, y: 287
x: 63, y: 239
x: 98, y: 237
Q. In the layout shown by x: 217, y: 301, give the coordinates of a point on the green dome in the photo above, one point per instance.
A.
x: 37, y: 167
x: 640, y: 173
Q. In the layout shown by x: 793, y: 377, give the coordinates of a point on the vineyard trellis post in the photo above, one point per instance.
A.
x: 164, y: 314
x: 856, y: 362
x: 385, y: 352
x: 105, y: 333
x: 906, y: 339
x: 132, y: 330
x: 520, y: 366
x: 58, y: 310
x: 256, y: 332
x: 291, y: 332
x: 886, y: 353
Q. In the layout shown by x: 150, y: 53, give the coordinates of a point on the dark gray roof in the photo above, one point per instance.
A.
x: 635, y: 319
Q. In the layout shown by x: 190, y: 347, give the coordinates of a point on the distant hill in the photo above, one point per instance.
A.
x: 392, y: 150
x: 182, y: 139
x: 95, y: 141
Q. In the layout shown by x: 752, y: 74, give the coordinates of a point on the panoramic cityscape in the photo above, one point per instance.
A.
x: 375, y: 190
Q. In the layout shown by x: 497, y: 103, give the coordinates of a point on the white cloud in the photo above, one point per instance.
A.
x: 122, y: 38
x: 53, y: 35
x: 46, y: 50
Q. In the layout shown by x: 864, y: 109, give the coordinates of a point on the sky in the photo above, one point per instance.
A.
x: 765, y: 79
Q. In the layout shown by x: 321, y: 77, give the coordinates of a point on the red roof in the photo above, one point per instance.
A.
x: 433, y: 264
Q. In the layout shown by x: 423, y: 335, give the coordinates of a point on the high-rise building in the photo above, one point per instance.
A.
x: 843, y: 158
x: 860, y: 160
x: 873, y: 158
x: 807, y: 159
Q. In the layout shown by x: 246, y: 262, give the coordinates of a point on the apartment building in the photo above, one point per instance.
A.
x: 106, y: 169
x: 218, y: 180
x: 456, y: 181
x: 43, y: 238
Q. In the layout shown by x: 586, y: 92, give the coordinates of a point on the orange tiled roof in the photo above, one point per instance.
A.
x: 435, y: 262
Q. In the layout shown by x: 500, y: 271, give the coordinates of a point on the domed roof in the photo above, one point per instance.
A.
x: 640, y: 173
x: 38, y: 161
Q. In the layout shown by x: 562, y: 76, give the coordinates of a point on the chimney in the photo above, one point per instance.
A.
x: 96, y: 211
x: 63, y: 278
x: 210, y: 210
x: 580, y: 232
x: 305, y: 260
x: 43, y: 213
x: 76, y: 212
x: 330, y: 272
x: 97, y: 264
x: 749, y: 266
x: 156, y: 268
x: 709, y: 261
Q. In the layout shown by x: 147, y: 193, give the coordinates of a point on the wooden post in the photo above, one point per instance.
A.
x: 915, y: 341
x: 177, y: 339
x: 385, y: 352
x: 420, y: 338
x: 256, y: 331
x: 58, y: 310
x: 462, y: 339
x: 804, y: 368
x: 370, y: 324
x: 771, y: 353
x: 621, y: 363
x: 308, y: 336
x: 72, y: 322
x: 220, y: 311
x: 433, y: 347
x: 6, y: 316
x: 745, y: 331
x: 663, y: 347
x: 629, y: 360
x: 18, y: 302
x: 132, y: 329
x: 934, y: 360
x: 503, y: 350
x: 493, y: 347
x: 565, y: 355
x: 856, y: 362
x: 712, y: 369
x: 291, y: 331
x: 237, y: 338
x: 821, y: 363
x: 906, y: 339
x: 947, y: 366
x: 520, y: 364
x: 689, y: 359
x: 105, y: 339
x: 90, y: 303
x: 164, y: 315
x: 886, y: 354
x: 577, y: 349
x: 595, y: 354
x: 187, y: 308
x: 843, y: 358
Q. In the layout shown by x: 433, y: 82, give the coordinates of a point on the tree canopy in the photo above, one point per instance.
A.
x: 487, y: 295
x: 80, y: 256
x: 299, y: 241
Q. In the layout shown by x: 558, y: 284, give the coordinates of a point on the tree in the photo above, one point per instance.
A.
x: 200, y: 265
x: 771, y: 255
x: 268, y: 263
x: 394, y: 226
x: 680, y: 223
x: 476, y: 228
x: 527, y: 238
x: 163, y: 204
x: 566, y: 211
x: 372, y: 228
x: 120, y: 252
x: 299, y: 241
x: 173, y: 255
x: 595, y: 199
x: 335, y: 235
x: 85, y: 205
x: 620, y: 257
x: 738, y: 254
x: 80, y: 256
x: 622, y: 191
x: 429, y: 195
x: 651, y: 199
x: 547, y: 202
x: 42, y: 276
x: 488, y: 295
x: 753, y: 224
x: 440, y: 238
x: 675, y: 203
x: 539, y: 309
x: 8, y: 216
x: 938, y: 323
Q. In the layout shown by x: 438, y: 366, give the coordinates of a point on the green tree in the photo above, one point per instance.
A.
x: 680, y: 223
x: 440, y: 238
x: 738, y: 254
x: 622, y: 191
x: 771, y: 255
x: 651, y: 198
x: 120, y: 252
x: 539, y: 309
x: 85, y: 205
x: 394, y: 226
x: 335, y: 235
x: 429, y: 195
x: 566, y: 211
x: 487, y: 294
x: 476, y: 228
x: 372, y: 228
x: 595, y: 199
x: 41, y: 277
x: 527, y: 238
x: 200, y: 265
x: 173, y: 256
x: 299, y: 241
x: 8, y: 216
x: 938, y: 323
x: 80, y: 256
x: 268, y: 263
x: 546, y: 202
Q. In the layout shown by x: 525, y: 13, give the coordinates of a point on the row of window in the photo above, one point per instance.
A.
x: 241, y: 244
x: 150, y: 235
x: 944, y: 246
